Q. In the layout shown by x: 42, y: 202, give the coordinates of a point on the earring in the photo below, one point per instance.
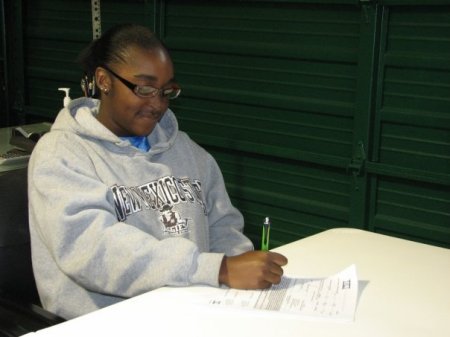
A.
x: 105, y: 90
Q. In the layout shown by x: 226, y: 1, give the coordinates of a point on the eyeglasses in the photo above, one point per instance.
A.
x: 147, y: 90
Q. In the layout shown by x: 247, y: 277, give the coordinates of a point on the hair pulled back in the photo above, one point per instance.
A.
x: 112, y: 47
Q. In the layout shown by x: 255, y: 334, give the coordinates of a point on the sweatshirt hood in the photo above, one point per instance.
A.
x: 79, y: 118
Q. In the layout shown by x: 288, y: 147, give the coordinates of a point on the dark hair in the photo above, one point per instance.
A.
x: 112, y: 47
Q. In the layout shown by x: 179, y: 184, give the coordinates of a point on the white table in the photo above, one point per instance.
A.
x: 5, y: 146
x: 406, y: 293
x: 5, y: 134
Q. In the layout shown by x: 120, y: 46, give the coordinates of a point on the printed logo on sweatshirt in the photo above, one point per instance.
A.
x: 173, y: 224
x: 160, y: 195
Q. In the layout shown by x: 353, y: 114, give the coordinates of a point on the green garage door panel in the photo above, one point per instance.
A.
x: 56, y: 32
x: 301, y: 199
x: 415, y: 210
x: 412, y: 195
x: 270, y: 90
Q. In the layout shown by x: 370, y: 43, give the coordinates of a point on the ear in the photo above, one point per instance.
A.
x: 102, y: 79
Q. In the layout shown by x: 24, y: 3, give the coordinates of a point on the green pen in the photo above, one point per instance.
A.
x: 265, y: 234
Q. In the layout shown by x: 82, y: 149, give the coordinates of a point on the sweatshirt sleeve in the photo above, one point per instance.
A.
x: 226, y: 222
x: 81, y: 234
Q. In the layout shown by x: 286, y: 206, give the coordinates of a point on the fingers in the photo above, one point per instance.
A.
x: 275, y: 263
x: 277, y: 258
x: 275, y: 270
x: 271, y: 270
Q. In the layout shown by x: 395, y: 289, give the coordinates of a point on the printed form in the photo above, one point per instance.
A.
x: 332, y: 298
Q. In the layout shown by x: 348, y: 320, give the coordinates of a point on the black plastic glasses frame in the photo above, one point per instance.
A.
x: 170, y: 93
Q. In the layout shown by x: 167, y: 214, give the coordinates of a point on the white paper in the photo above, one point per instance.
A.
x: 331, y: 298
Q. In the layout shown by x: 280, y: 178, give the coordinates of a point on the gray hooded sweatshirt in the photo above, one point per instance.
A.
x: 109, y: 222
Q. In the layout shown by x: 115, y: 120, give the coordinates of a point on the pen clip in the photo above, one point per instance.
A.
x: 265, y: 234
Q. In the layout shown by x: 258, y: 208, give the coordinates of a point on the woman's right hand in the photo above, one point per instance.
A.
x: 252, y: 270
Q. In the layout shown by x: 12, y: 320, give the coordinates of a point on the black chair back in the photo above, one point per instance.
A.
x: 20, y: 310
x: 16, y: 276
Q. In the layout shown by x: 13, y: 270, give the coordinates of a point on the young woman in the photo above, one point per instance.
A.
x: 121, y: 201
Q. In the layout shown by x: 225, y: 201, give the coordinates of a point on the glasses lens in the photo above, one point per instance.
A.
x: 145, y: 91
x: 149, y: 91
x: 171, y: 93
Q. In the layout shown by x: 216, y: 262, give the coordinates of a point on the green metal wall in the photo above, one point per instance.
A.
x: 410, y: 162
x: 321, y: 114
x: 270, y: 91
x: 3, y: 67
